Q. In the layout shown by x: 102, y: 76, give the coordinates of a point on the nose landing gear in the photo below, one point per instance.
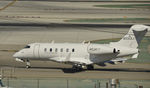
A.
x: 28, y: 65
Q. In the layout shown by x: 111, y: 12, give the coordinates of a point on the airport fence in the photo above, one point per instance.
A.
x: 74, y: 83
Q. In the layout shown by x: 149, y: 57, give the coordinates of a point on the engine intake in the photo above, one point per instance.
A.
x: 116, y: 51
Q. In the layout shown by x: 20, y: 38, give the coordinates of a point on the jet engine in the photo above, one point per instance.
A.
x: 99, y: 49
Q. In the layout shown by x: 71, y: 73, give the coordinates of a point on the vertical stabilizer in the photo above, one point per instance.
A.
x: 133, y: 38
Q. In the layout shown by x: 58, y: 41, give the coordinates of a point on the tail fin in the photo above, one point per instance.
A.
x: 133, y: 38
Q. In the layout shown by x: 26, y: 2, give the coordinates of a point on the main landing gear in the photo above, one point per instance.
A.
x: 90, y: 67
x: 28, y: 65
x: 79, y: 67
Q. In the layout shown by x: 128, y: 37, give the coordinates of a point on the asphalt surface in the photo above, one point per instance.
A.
x: 57, y: 12
x: 28, y: 22
x: 86, y: 0
x: 55, y: 70
x: 68, y: 25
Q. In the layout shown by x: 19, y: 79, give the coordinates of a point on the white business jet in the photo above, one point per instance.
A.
x: 82, y: 55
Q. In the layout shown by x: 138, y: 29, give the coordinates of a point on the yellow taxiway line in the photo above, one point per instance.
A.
x: 3, y: 8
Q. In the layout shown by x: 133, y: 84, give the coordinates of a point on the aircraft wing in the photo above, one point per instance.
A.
x: 119, y: 59
x: 61, y: 59
x: 69, y: 60
x: 122, y: 60
x: 115, y: 61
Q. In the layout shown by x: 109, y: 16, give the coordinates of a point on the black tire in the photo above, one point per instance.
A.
x: 75, y: 68
x: 90, y: 67
x: 27, y: 66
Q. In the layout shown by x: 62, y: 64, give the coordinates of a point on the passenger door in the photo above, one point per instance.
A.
x: 36, y: 51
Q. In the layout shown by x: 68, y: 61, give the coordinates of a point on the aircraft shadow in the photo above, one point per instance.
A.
x: 121, y: 70
x: 70, y: 70
x: 65, y: 70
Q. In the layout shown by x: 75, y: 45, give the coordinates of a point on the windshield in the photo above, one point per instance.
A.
x: 27, y: 46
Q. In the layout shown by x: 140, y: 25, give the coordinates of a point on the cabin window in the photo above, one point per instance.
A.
x: 56, y: 50
x: 50, y: 49
x: 27, y: 46
x: 73, y: 50
x: 67, y: 50
x: 45, y: 49
x: 61, y: 50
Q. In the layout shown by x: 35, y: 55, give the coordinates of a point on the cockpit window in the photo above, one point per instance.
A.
x: 27, y: 46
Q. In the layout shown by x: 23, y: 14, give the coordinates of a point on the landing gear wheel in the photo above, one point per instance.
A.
x: 77, y: 67
x: 90, y: 67
x: 28, y: 65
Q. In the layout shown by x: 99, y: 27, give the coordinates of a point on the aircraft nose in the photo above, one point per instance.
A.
x: 16, y: 55
x: 148, y: 28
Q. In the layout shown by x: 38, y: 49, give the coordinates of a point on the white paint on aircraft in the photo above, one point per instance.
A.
x: 86, y: 54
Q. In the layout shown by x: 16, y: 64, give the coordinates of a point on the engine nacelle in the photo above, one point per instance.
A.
x: 101, y: 49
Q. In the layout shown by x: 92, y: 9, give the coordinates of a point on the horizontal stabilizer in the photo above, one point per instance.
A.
x: 140, y: 28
